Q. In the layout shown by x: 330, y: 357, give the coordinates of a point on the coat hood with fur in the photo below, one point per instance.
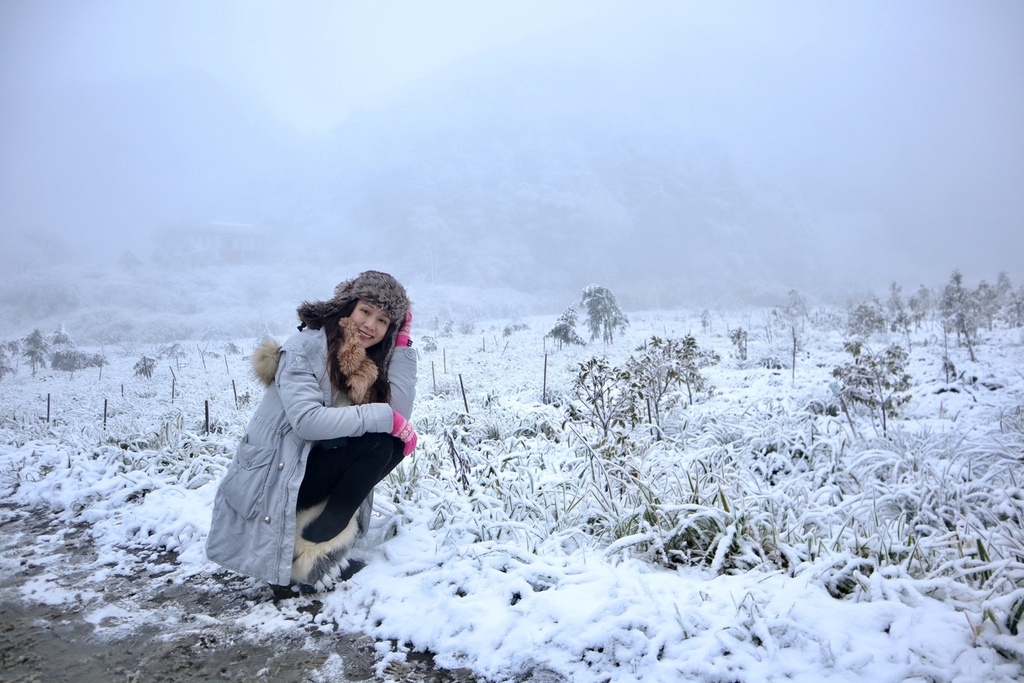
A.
x: 360, y: 371
x: 264, y: 361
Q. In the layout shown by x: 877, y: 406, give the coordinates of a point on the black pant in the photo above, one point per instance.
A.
x: 344, y: 471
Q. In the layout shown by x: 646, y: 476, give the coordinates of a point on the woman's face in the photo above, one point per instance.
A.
x: 372, y: 322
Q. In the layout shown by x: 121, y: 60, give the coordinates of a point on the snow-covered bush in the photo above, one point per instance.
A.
x: 145, y: 366
x: 738, y: 337
x: 876, y: 380
x: 866, y: 319
x: 564, y: 332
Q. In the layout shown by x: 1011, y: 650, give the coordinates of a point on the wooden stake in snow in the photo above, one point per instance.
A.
x: 544, y: 392
x: 433, y: 377
x: 47, y: 409
x: 464, y: 401
x: 444, y: 360
x: 226, y: 368
x: 234, y: 391
x: 172, y: 387
x: 793, y: 329
x: 104, y: 414
x: 207, y: 407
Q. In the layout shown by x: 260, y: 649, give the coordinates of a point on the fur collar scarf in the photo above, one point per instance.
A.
x: 360, y: 371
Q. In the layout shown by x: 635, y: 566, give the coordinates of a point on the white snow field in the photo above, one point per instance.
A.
x: 755, y: 535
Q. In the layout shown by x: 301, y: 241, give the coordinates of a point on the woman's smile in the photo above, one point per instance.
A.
x: 372, y: 323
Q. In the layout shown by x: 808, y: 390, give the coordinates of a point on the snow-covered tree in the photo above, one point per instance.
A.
x: 1015, y: 307
x: 144, y: 366
x: 921, y: 305
x: 795, y: 313
x: 1004, y: 287
x: 603, y: 314
x: 986, y: 298
x: 5, y: 366
x: 796, y: 307
x: 35, y: 347
x: 564, y: 331
x: 691, y: 359
x: 960, y: 312
x: 899, y: 319
x: 60, y: 337
x: 65, y: 355
x: 63, y: 351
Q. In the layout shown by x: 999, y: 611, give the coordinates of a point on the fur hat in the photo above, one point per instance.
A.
x: 373, y: 286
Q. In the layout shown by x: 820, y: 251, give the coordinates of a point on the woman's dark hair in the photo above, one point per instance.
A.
x: 379, y: 353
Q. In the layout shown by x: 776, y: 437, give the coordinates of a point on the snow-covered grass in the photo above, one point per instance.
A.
x: 753, y: 536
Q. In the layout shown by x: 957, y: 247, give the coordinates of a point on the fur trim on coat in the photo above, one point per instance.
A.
x: 360, y: 372
x: 264, y: 362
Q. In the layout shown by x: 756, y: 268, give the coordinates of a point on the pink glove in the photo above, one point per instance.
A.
x: 403, y: 333
x: 403, y: 430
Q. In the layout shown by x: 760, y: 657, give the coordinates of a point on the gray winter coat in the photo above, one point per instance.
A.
x: 253, y: 526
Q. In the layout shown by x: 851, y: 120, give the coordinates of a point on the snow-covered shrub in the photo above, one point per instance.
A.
x: 738, y: 337
x: 604, y: 398
x: 662, y: 368
x: 70, y: 360
x: 174, y: 350
x: 514, y: 327
x: 145, y: 366
x: 564, y: 332
x: 876, y: 380
x: 866, y: 319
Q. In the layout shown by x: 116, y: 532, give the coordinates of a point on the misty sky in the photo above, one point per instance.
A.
x: 888, y: 128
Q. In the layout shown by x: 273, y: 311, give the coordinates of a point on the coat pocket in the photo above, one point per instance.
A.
x: 245, y: 484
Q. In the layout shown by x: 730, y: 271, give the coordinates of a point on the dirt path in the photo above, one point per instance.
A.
x: 65, y: 617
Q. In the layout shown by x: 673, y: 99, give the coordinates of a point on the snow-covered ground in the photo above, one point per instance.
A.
x: 755, y: 538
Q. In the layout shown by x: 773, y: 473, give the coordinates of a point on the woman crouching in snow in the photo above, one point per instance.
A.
x: 332, y: 424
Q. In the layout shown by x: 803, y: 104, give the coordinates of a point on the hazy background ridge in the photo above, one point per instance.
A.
x: 679, y: 153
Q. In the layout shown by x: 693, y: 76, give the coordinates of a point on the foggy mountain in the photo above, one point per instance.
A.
x: 674, y: 155
x: 474, y: 181
x: 121, y: 160
x: 483, y: 185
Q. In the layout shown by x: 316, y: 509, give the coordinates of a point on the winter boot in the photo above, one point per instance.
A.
x: 319, y: 565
